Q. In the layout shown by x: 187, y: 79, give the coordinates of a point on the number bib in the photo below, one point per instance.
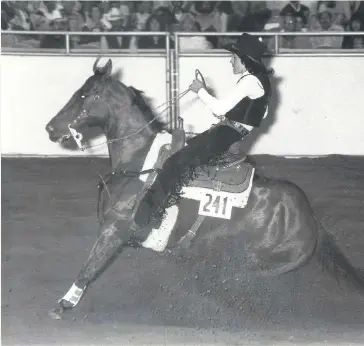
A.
x: 216, y: 204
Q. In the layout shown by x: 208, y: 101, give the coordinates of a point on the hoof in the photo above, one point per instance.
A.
x: 57, y: 312
x: 65, y: 305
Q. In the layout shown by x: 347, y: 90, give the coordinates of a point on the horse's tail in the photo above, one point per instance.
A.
x: 333, y: 260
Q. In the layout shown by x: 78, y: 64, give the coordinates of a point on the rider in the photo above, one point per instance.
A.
x: 240, y: 112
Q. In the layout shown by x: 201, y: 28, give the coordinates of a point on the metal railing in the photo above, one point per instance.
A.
x: 173, y: 56
x: 68, y: 34
x: 86, y: 51
x: 169, y: 36
x: 277, y: 50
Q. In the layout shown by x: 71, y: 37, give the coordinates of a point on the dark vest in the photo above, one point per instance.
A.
x: 251, y: 112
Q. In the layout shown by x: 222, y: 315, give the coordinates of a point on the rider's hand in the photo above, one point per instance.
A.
x: 196, y: 86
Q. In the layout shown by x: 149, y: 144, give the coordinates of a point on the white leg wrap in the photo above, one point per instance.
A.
x: 158, y: 238
x: 74, y: 295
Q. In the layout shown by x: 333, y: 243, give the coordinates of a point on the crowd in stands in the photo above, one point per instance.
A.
x: 182, y: 16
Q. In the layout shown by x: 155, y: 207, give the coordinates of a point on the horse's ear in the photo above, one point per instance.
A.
x: 105, y: 70
x: 95, y: 68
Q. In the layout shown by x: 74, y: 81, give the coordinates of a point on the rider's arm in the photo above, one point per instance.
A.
x: 249, y: 86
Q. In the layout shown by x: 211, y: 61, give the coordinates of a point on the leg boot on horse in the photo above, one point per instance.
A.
x: 112, y: 239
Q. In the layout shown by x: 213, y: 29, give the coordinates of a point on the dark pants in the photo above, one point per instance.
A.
x: 178, y: 170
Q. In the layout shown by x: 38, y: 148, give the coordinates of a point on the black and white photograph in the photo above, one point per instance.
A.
x: 182, y: 173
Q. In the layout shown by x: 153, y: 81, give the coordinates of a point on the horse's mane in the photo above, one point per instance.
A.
x: 141, y: 102
x: 135, y: 94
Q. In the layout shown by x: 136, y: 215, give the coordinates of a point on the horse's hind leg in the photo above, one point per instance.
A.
x: 107, y: 246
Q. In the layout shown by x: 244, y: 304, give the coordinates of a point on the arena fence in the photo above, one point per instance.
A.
x: 173, y: 56
x: 165, y: 73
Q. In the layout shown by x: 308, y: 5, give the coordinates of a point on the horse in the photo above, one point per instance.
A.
x: 269, y: 222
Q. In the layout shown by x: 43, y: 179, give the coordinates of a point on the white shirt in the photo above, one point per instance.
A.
x: 249, y: 86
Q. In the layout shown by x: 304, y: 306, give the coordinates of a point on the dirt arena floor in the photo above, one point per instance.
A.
x: 49, y: 225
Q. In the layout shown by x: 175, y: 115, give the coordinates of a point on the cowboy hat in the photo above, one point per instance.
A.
x: 247, y: 45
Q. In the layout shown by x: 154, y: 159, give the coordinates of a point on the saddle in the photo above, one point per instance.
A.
x: 233, y: 177
x: 229, y: 174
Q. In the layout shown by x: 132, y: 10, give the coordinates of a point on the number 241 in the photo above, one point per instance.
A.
x: 215, y: 204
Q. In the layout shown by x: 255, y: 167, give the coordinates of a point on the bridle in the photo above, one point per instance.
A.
x: 77, y: 136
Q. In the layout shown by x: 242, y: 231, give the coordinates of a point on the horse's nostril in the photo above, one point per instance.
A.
x: 50, y: 129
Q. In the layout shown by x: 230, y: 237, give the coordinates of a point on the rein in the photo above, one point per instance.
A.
x: 78, y: 136
x: 104, y: 180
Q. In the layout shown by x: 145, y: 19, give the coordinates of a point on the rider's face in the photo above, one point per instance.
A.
x: 238, y: 66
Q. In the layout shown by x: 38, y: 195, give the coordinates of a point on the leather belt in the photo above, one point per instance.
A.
x: 239, y: 127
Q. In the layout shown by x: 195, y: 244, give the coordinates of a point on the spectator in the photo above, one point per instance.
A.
x: 188, y: 24
x: 239, y: 10
x: 337, y: 10
x: 47, y: 7
x: 293, y: 23
x: 302, y: 41
x: 354, y: 42
x: 289, y: 25
x: 324, y: 22
x: 94, y: 20
x: 94, y: 23
x: 210, y: 19
x: 117, y: 22
x: 125, y: 12
x: 139, y: 20
x: 171, y: 16
x: 296, y: 9
x: 143, y: 12
x: 34, y: 11
x: 274, y: 22
x: 58, y: 23
x: 257, y: 18
x: 162, y: 4
x: 104, y: 6
x: 68, y: 7
x: 249, y: 16
x: 7, y: 14
x: 76, y: 21
x: 39, y: 21
x: 177, y: 9
x: 353, y: 7
x: 158, y: 21
x: 21, y: 20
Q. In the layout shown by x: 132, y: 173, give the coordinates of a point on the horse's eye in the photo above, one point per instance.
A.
x: 97, y: 97
x: 83, y: 96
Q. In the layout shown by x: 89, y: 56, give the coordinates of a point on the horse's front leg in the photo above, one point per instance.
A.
x: 113, y: 237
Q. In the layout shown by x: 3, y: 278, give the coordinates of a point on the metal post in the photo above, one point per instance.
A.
x: 168, y: 78
x: 171, y: 90
x: 176, y: 77
x: 67, y: 43
x: 276, y: 44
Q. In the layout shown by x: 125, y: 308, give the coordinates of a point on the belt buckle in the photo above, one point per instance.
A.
x: 238, y: 126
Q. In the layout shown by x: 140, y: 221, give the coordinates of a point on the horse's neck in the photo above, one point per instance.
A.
x: 129, y: 149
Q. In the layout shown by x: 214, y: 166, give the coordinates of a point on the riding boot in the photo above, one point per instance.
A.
x: 177, y: 171
x: 149, y: 208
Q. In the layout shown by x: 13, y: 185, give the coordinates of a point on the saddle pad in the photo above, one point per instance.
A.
x: 218, y: 203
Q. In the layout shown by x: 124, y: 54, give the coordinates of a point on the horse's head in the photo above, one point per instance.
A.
x: 87, y: 107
